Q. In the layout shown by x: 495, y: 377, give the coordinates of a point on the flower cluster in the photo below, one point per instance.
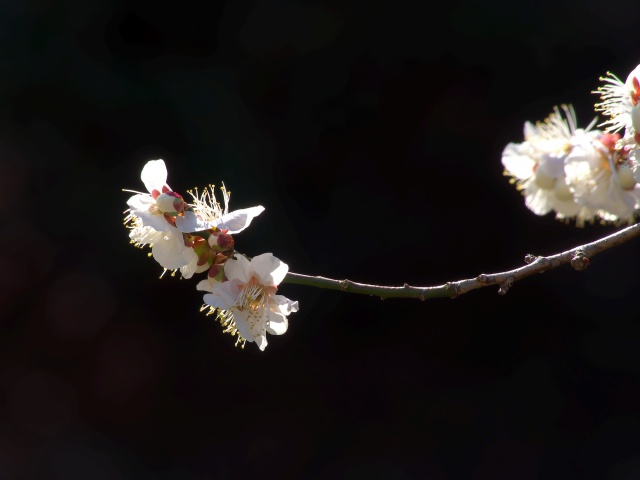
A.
x: 583, y: 174
x: 196, y: 238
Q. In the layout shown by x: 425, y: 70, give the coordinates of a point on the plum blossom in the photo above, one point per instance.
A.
x: 165, y: 222
x: 602, y: 177
x: 151, y: 219
x: 247, y: 303
x: 581, y: 174
x: 156, y: 208
x: 206, y: 213
x: 537, y: 164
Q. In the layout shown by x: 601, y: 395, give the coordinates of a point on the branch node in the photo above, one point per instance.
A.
x: 422, y: 297
x: 406, y: 285
x: 482, y: 278
x: 506, y: 285
x: 580, y: 261
x: 344, y: 284
x: 452, y: 288
x: 528, y: 258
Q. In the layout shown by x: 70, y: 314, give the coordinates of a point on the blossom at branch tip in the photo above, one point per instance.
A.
x: 584, y: 174
x: 537, y: 164
x: 248, y: 299
x: 602, y: 175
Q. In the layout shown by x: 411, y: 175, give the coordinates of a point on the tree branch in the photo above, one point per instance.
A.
x: 578, y: 257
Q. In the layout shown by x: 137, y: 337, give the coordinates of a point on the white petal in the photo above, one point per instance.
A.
x: 171, y: 251
x: 237, y: 220
x: 566, y: 208
x: 635, y: 118
x: 282, y: 304
x: 516, y: 162
x: 251, y: 323
x: 552, y: 164
x: 204, y: 285
x: 203, y: 268
x: 154, y: 175
x: 278, y: 323
x: 237, y: 269
x: 141, y: 201
x: 225, y: 293
x: 240, y: 317
x: 154, y: 220
x: 219, y: 299
x: 144, y: 207
x: 269, y: 270
x: 191, y: 223
x: 538, y: 200
x: 261, y: 341
x: 190, y: 268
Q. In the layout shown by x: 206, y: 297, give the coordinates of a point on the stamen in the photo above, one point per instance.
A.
x: 252, y: 297
x: 133, y: 191
x: 206, y: 206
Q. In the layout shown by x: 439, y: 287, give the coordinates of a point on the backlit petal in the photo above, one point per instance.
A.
x: 269, y: 270
x: 237, y: 269
x: 237, y: 220
x: 154, y: 175
x: 171, y: 252
x: 191, y: 223
x: 278, y: 323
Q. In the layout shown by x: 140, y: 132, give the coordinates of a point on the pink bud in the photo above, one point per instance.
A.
x: 221, y: 242
x: 170, y: 202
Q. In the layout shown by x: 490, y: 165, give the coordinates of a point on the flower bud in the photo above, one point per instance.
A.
x: 221, y: 241
x: 204, y: 252
x: 170, y: 203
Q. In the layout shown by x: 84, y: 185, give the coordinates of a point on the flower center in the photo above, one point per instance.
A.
x: 253, y: 296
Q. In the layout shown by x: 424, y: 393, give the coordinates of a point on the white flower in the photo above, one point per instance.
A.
x: 206, y: 213
x: 248, y: 300
x: 167, y: 248
x: 603, y: 179
x: 161, y: 202
x: 537, y: 164
x: 620, y: 102
x: 150, y: 217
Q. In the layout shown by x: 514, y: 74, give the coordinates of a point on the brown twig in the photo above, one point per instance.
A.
x: 577, y: 257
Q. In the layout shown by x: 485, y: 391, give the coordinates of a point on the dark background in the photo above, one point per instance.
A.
x: 372, y: 134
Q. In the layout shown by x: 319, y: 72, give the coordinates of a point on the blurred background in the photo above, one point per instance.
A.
x: 372, y: 134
